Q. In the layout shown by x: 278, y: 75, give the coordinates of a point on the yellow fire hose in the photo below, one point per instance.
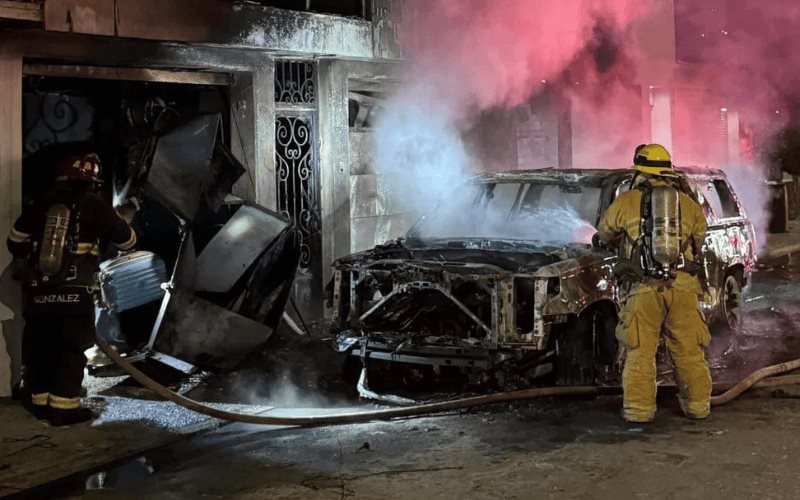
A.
x: 759, y: 378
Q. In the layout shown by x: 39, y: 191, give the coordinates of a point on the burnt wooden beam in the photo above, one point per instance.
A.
x: 128, y: 74
x: 42, y: 46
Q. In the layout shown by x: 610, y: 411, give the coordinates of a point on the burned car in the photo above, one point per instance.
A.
x: 504, y: 287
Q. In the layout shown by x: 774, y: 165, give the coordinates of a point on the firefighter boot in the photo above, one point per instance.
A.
x: 36, y: 404
x: 60, y: 418
x: 68, y: 411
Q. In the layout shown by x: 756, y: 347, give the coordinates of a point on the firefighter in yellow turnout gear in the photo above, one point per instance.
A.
x: 664, y: 304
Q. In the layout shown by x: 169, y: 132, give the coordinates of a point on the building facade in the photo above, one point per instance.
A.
x: 295, y: 81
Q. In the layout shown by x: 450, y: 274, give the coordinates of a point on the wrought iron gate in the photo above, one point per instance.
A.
x: 296, y: 165
x: 296, y: 170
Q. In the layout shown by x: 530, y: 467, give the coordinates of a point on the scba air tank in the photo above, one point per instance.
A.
x: 51, y: 256
x: 666, y: 232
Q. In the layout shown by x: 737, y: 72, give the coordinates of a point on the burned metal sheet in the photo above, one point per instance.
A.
x: 267, y: 290
x: 205, y: 334
x: 234, y: 249
x: 182, y: 166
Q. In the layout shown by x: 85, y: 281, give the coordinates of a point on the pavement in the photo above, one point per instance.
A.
x: 549, y: 448
x: 32, y: 453
x: 134, y: 426
x: 560, y: 449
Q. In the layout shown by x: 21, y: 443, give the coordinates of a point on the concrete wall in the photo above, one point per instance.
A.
x: 375, y: 218
x: 10, y: 199
x: 355, y: 211
x: 214, y: 22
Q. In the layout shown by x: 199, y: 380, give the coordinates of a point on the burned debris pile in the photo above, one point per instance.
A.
x: 231, y: 262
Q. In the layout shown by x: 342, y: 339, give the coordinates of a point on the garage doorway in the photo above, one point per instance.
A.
x: 115, y: 113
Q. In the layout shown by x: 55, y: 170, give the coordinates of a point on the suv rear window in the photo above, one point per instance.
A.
x: 719, y: 196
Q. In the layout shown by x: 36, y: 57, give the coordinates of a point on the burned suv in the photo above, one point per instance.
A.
x: 503, y: 285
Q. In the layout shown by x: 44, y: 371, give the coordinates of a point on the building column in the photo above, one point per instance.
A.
x: 10, y: 206
x: 334, y: 162
x: 729, y: 125
x: 661, y: 116
x: 253, y: 132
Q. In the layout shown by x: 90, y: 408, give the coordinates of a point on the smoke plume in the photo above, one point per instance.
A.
x: 739, y: 52
x: 469, y: 57
x: 472, y: 65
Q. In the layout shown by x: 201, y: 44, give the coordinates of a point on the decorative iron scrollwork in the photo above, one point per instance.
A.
x: 297, y: 182
x: 295, y: 82
x: 56, y: 118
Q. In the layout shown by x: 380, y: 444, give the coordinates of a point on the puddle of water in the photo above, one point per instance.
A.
x: 118, y: 478
x: 121, y: 476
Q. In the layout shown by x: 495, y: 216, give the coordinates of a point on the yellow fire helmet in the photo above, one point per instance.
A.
x: 653, y: 159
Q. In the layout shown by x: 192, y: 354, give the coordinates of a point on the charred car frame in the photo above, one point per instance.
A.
x: 507, y: 311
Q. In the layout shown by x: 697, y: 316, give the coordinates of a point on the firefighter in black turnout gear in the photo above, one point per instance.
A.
x: 56, y: 245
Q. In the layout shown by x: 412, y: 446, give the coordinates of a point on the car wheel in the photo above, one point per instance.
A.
x: 732, y: 300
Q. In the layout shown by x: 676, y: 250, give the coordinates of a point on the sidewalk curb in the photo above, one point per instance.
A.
x: 782, y: 250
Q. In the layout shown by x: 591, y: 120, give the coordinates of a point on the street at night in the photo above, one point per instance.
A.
x: 400, y: 249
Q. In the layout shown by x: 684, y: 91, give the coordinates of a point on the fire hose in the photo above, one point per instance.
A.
x: 765, y: 377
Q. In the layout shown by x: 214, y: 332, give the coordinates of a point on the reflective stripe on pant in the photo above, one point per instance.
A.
x: 61, y: 403
x: 677, y: 314
x: 40, y: 399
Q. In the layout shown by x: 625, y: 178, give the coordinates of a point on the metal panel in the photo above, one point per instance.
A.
x: 232, y: 251
x: 208, y: 335
x: 181, y: 167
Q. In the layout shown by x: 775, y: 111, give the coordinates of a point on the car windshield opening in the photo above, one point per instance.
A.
x: 541, y: 212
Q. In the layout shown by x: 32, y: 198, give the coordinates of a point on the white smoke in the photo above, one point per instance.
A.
x: 750, y: 184
x: 556, y: 225
x: 419, y: 151
x: 422, y: 156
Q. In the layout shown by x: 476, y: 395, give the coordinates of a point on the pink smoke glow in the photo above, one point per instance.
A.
x: 484, y: 53
x: 469, y: 59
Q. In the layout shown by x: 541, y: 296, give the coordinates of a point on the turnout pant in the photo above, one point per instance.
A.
x: 55, y: 359
x: 676, y: 314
